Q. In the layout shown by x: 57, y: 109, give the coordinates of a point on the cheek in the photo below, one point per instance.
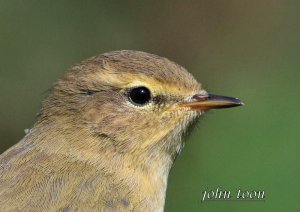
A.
x: 97, y: 108
x: 119, y: 117
x: 91, y: 115
x: 98, y: 114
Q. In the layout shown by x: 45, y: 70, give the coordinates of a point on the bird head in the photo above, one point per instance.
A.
x: 130, y: 102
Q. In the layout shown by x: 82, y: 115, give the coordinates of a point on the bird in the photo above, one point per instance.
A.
x: 106, y: 136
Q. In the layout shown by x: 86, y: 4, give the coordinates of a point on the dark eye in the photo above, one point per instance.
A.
x: 140, y: 96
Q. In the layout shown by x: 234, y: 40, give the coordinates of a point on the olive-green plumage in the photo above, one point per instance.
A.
x: 93, y: 148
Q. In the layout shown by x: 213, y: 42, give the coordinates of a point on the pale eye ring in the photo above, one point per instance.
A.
x: 140, y: 96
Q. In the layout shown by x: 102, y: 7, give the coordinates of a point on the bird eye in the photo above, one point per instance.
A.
x: 140, y: 96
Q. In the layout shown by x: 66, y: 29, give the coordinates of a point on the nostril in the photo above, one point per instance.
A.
x: 200, y: 97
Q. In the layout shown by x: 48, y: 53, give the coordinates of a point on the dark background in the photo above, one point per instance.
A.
x: 246, y: 49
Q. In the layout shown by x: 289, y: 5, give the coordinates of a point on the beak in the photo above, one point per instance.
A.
x: 211, y: 101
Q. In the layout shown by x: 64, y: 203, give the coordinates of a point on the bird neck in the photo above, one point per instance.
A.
x: 144, y: 175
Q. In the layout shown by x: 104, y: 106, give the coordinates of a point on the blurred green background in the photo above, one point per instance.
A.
x: 246, y: 49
